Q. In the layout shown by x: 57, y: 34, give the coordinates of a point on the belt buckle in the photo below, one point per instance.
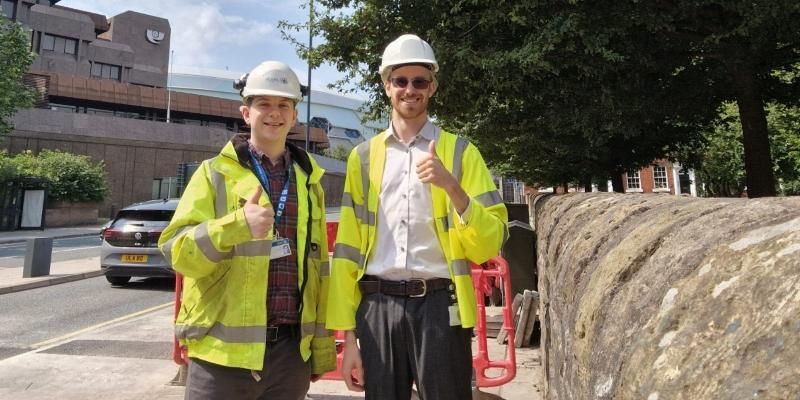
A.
x: 424, y: 288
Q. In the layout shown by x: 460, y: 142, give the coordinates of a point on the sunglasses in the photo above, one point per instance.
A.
x: 417, y: 83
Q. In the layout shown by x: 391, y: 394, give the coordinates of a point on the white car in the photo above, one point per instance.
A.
x: 130, y: 242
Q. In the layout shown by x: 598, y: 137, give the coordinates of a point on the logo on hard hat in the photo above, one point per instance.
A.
x: 278, y: 79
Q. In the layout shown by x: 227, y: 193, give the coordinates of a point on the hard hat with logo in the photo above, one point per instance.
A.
x: 407, y: 49
x: 271, y: 78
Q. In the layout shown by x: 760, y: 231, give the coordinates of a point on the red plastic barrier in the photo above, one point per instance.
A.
x: 336, y: 375
x: 493, y: 273
x: 178, y: 351
x: 332, y: 227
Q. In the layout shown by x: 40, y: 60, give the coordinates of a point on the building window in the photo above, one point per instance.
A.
x: 48, y: 42
x: 319, y: 122
x: 660, y: 177
x: 634, y: 182
x: 99, y: 111
x: 63, y: 108
x: 164, y: 188
x: 8, y: 8
x: 106, y: 71
x: 352, y: 133
x: 71, y: 46
x: 59, y: 44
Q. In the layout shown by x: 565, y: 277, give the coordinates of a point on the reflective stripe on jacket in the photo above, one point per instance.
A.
x: 477, y: 241
x: 223, y: 316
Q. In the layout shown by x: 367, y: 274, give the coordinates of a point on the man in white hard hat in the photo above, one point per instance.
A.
x: 419, y: 204
x: 249, y: 238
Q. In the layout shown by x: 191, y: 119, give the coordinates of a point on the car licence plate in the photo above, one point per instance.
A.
x: 134, y: 258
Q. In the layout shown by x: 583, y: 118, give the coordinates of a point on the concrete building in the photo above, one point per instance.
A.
x: 102, y: 85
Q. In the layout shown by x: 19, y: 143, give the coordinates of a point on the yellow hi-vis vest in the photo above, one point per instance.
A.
x: 223, y: 315
x: 478, y: 240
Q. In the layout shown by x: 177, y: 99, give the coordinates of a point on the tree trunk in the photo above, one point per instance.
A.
x: 587, y: 185
x: 760, y: 179
x: 616, y: 181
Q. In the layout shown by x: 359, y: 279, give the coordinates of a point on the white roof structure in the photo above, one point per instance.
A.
x: 340, y: 111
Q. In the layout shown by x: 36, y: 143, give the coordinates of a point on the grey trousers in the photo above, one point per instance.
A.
x: 405, y: 340
x: 285, y: 376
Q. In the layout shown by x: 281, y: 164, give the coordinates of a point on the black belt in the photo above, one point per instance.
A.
x: 410, y: 288
x: 276, y: 333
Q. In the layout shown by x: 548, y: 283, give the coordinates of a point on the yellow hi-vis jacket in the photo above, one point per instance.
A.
x: 478, y: 240
x: 223, y: 315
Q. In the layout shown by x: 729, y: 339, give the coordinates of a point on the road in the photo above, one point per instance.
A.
x: 13, y: 254
x: 37, y: 317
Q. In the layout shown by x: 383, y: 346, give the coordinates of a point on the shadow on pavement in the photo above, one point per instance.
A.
x: 160, y: 284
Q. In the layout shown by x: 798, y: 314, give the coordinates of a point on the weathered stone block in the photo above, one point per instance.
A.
x: 662, y: 297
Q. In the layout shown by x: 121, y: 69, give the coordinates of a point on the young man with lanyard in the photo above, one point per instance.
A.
x: 249, y: 238
x: 419, y: 204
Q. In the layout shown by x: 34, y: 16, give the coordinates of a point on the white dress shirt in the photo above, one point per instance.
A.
x: 407, y: 246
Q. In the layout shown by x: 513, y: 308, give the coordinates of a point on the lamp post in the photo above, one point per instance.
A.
x: 310, y: 46
x: 169, y: 90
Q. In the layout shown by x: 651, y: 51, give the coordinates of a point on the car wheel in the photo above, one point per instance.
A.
x: 117, y: 280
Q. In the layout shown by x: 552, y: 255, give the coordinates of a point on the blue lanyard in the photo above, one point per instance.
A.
x: 262, y: 177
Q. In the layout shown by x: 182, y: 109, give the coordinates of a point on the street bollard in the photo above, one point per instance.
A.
x: 37, y: 257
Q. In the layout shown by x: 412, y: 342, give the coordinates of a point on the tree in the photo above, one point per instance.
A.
x: 338, y: 153
x: 721, y: 163
x: 68, y: 177
x: 15, y: 59
x: 784, y: 128
x: 555, y: 91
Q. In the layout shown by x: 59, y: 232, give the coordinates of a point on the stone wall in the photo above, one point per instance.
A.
x: 663, y: 297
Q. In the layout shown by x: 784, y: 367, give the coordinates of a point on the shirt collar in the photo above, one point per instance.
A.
x: 286, y: 159
x: 428, y: 132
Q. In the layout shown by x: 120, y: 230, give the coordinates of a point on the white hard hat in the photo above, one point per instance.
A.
x: 270, y: 78
x: 407, y: 49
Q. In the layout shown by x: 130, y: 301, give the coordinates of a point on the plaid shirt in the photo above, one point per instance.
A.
x: 283, y: 295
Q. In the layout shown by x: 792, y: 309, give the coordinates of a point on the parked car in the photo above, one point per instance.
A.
x: 130, y: 242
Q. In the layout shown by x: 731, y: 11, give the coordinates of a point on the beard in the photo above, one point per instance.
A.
x: 413, y: 112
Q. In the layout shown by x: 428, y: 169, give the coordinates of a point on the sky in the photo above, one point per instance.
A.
x: 233, y: 35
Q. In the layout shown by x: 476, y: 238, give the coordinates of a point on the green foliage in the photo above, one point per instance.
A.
x: 784, y: 128
x: 722, y: 167
x: 721, y: 163
x: 338, y: 153
x: 555, y: 91
x: 68, y: 177
x: 8, y: 169
x: 15, y: 59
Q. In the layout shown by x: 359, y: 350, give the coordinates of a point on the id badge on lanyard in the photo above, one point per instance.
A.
x: 280, y: 246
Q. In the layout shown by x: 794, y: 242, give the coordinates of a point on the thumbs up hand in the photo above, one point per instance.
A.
x: 432, y: 148
x: 259, y: 219
x: 431, y: 170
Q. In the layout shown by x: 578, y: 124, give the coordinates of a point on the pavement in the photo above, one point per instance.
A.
x: 11, y: 279
x: 131, y: 357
